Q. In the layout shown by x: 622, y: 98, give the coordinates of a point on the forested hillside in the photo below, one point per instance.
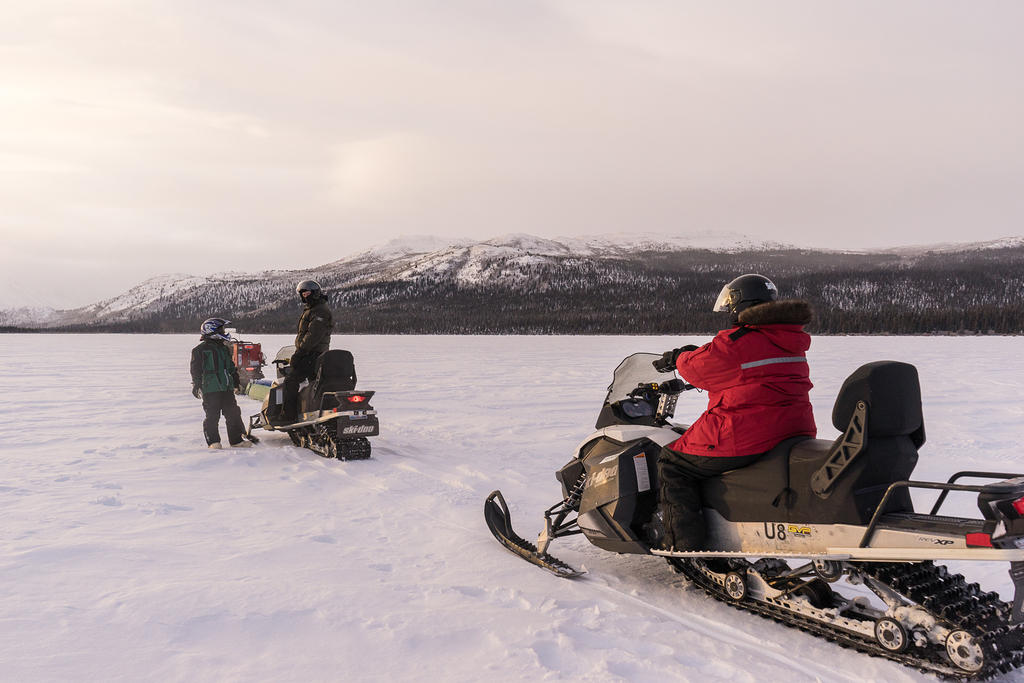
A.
x: 975, y: 291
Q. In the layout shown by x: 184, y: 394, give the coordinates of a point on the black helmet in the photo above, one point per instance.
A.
x: 744, y: 292
x: 213, y: 328
x: 311, y: 286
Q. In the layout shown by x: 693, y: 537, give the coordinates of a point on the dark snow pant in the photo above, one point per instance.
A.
x: 679, y: 478
x: 301, y: 367
x: 216, y: 403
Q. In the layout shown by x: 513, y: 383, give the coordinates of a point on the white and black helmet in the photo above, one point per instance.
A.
x: 213, y: 328
x: 746, y: 291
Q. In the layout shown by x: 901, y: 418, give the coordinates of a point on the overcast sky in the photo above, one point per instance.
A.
x: 142, y: 137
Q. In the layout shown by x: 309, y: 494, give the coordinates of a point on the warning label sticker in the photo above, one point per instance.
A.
x: 643, y: 478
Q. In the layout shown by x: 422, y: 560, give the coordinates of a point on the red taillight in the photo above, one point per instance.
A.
x: 1018, y: 505
x: 356, y: 399
x: 979, y: 540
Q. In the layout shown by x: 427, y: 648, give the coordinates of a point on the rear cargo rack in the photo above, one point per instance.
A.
x: 945, y: 488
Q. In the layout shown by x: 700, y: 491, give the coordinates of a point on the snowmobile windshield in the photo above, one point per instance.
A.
x: 633, y: 371
x: 285, y: 353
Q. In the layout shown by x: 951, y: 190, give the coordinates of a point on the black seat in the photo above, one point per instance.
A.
x: 778, y: 486
x: 335, y: 371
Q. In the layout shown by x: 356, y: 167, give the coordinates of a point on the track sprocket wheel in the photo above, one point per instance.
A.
x: 735, y: 586
x: 964, y: 651
x: 891, y: 635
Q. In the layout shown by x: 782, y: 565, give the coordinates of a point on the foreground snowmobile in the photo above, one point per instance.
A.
x: 333, y: 419
x: 840, y: 512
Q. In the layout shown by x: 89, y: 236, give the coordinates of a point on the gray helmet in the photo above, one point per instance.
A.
x: 311, y: 286
x: 744, y: 292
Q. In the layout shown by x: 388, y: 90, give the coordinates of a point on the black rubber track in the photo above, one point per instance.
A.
x: 947, y: 596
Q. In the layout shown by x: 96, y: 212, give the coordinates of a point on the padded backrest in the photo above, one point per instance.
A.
x: 892, y: 392
x: 335, y: 371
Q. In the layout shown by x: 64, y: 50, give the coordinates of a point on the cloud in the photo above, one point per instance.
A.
x: 319, y: 128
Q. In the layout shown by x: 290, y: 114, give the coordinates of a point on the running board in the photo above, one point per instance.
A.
x: 862, y: 554
x: 694, y: 554
x: 921, y: 554
x: 302, y: 422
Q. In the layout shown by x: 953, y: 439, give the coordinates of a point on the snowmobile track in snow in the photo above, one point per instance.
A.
x: 750, y: 641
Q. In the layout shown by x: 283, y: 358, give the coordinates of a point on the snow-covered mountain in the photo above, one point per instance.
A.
x: 28, y: 316
x: 21, y: 304
x: 503, y: 259
x: 592, y: 245
x: 958, y: 247
x: 409, y: 274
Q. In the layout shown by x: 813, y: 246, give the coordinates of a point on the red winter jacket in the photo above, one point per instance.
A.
x: 756, y: 377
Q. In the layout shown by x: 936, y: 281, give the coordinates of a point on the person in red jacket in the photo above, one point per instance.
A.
x: 756, y: 376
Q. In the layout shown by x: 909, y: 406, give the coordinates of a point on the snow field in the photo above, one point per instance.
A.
x: 130, y: 552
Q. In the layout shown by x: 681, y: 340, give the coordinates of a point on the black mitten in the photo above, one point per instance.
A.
x: 667, y: 362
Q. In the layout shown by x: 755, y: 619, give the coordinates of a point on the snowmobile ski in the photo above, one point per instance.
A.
x: 499, y: 521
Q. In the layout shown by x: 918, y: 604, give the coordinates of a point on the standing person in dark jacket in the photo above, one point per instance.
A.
x: 312, y: 339
x: 757, y: 379
x: 214, y: 379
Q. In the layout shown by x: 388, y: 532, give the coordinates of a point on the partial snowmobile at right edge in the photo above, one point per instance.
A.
x: 820, y: 535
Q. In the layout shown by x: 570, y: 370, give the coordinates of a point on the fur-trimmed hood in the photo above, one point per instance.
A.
x: 785, y: 312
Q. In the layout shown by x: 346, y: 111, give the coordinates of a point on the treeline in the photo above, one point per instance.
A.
x: 977, y: 292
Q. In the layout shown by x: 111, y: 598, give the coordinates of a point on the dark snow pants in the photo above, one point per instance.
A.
x: 216, y: 403
x: 679, y: 478
x: 301, y: 367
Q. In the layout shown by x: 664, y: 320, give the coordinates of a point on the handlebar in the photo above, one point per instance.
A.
x: 672, y: 386
x: 676, y: 386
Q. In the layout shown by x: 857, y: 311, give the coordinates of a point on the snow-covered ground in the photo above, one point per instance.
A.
x: 130, y: 552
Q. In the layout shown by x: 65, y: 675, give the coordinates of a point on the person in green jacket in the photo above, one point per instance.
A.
x: 214, y: 379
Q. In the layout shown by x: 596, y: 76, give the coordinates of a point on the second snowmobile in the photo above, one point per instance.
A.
x: 817, y: 534
x: 334, y: 420
x: 249, y: 361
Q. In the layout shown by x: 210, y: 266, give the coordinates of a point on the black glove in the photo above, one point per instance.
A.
x: 667, y: 362
x: 196, y: 391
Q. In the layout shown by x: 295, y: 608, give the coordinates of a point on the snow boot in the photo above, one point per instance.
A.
x: 214, y: 446
x: 654, y: 531
x: 242, y: 444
